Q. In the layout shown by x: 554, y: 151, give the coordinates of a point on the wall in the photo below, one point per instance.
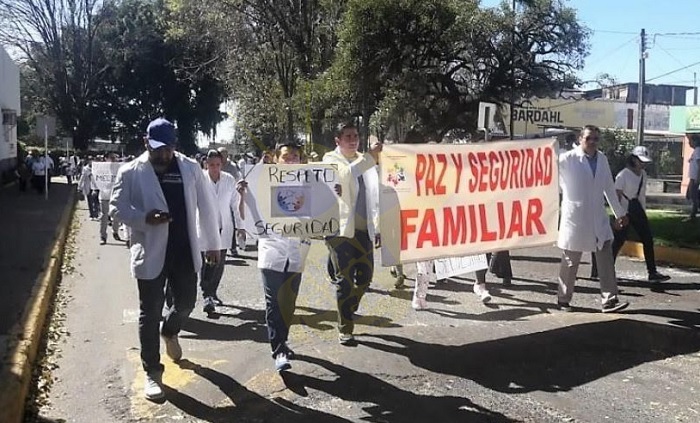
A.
x: 9, y: 101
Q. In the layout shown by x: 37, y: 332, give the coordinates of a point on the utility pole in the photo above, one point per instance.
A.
x: 641, y: 88
x: 511, y: 128
x: 695, y: 88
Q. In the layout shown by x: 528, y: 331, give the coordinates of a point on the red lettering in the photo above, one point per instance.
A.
x: 473, y: 166
x: 483, y: 172
x: 430, y: 179
x: 529, y: 165
x: 428, y: 230
x: 501, y: 220
x: 516, y: 220
x: 454, y: 230
x: 514, y: 169
x: 495, y: 171
x: 486, y: 235
x: 534, y: 216
x: 472, y: 223
x: 420, y: 171
x: 548, y: 166
x: 405, y: 227
x: 457, y: 161
x: 539, y: 173
x: 505, y: 170
x: 440, y: 189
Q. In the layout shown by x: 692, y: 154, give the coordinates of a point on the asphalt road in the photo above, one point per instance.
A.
x: 517, y: 359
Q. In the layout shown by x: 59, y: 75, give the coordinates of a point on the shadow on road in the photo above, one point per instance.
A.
x: 388, y: 402
x: 551, y: 361
x: 252, y: 328
x: 318, y: 317
x: 248, y: 406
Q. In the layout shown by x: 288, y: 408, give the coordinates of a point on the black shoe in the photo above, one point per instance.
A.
x: 658, y: 277
x: 565, y: 307
x: 217, y: 300
x: 209, y: 305
x: 290, y: 353
x: 507, y: 282
x: 614, y: 305
x: 346, y: 339
x: 116, y: 236
x: 103, y: 241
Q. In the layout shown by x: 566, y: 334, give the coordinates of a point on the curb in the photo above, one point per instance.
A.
x: 673, y: 255
x: 25, y: 337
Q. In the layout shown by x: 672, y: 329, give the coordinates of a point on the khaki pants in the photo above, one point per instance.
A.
x: 606, y: 272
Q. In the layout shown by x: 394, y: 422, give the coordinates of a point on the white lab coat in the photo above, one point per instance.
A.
x: 365, y: 166
x: 584, y: 224
x: 137, y: 191
x: 278, y: 253
x: 226, y: 198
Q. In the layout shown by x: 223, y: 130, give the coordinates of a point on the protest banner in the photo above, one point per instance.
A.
x: 453, y: 200
x: 104, y: 174
x: 455, y: 266
x: 297, y: 201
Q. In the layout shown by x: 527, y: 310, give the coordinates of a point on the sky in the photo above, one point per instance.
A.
x: 614, y: 40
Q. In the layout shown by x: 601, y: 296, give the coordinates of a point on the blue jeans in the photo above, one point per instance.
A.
x: 353, y: 265
x: 211, y: 275
x: 182, y: 286
x: 281, y: 290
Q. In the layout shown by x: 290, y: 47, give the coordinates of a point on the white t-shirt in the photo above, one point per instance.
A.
x: 628, y: 182
x: 693, y: 163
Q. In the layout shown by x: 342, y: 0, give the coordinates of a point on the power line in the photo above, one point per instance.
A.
x: 605, y: 56
x: 674, y: 71
x: 669, y: 54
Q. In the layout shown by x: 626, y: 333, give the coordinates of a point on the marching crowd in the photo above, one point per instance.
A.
x: 182, y: 215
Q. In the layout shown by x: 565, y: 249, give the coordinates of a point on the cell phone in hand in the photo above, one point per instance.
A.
x: 162, y: 215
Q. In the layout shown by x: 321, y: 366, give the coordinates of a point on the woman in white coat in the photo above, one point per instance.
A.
x: 281, y: 261
x: 586, y: 181
x: 223, y: 186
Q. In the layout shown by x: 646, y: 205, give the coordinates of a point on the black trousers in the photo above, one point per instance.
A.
x: 182, y: 287
x: 640, y: 223
x: 353, y: 267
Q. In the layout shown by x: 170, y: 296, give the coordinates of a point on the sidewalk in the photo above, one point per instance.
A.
x: 29, y: 228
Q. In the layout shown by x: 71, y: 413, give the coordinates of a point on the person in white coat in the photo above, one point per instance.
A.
x: 159, y: 196
x: 630, y: 184
x: 281, y: 262
x: 351, y: 251
x: 224, y: 186
x: 585, y: 181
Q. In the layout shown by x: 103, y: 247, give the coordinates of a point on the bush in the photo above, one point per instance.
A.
x: 616, y: 145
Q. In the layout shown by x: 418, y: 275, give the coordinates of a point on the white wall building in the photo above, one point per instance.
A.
x: 10, y: 107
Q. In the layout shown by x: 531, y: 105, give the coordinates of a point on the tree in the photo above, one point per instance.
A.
x: 445, y: 56
x: 57, y: 39
x: 154, y: 70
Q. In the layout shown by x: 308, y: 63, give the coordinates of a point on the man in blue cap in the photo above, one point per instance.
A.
x: 165, y: 199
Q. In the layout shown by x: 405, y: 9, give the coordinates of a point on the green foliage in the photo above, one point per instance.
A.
x: 616, y: 145
x: 446, y: 56
x: 106, y: 69
x: 670, y: 229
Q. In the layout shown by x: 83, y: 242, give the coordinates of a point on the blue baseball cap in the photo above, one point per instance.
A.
x: 161, y: 133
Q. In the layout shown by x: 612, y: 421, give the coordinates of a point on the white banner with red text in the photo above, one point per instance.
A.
x: 455, y: 200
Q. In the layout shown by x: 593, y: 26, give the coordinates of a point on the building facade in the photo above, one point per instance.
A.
x: 10, y: 107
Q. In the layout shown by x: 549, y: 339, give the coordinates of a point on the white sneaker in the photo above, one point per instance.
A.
x: 419, y: 304
x: 152, y: 389
x: 172, y: 347
x: 482, y: 292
